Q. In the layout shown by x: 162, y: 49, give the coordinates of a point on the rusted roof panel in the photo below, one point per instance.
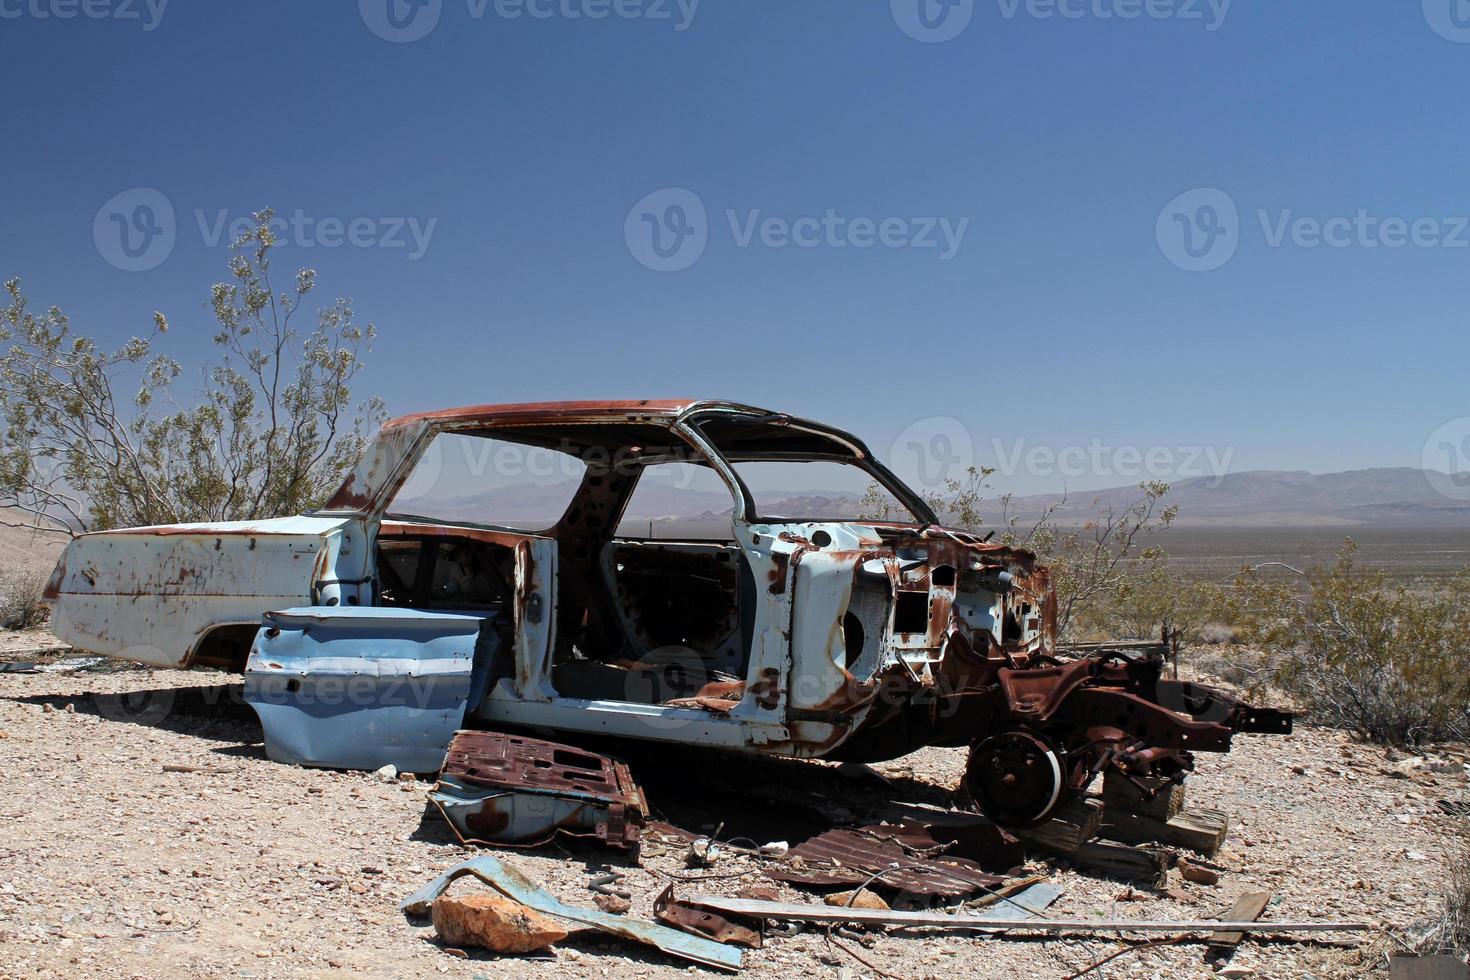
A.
x: 852, y: 856
x: 521, y: 411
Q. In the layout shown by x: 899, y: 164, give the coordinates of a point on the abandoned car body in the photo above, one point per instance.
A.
x: 369, y: 633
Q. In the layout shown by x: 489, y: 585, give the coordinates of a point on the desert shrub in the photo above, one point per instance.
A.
x: 1217, y: 634
x: 1106, y: 572
x: 1449, y: 933
x: 1150, y: 600
x: 20, y: 597
x: 1384, y: 660
x: 272, y: 430
x: 1456, y: 900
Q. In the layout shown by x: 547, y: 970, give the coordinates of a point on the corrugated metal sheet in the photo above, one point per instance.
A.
x: 904, y: 854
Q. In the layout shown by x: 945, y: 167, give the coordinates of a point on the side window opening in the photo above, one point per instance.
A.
x: 466, y: 478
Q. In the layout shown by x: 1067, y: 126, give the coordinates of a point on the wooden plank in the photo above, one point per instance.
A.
x: 1121, y: 794
x: 1148, y: 865
x: 804, y: 912
x: 1199, y: 830
x: 1247, y: 908
x: 1074, y: 823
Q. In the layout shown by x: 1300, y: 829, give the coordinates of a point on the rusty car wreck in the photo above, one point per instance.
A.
x: 369, y: 635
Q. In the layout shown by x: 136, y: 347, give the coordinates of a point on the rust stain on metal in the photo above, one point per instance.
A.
x: 896, y: 854
x: 701, y: 920
x: 601, y: 796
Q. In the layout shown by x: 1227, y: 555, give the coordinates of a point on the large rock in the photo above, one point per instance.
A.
x: 494, y: 922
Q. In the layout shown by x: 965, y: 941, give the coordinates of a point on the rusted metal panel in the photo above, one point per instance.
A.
x: 508, y: 789
x: 150, y: 594
x: 511, y: 883
x: 855, y: 856
x: 721, y: 927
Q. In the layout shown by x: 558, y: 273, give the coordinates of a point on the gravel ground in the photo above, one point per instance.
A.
x: 111, y: 866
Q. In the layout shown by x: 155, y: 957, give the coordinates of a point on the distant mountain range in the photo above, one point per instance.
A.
x: 1390, y: 497
x: 1401, y: 497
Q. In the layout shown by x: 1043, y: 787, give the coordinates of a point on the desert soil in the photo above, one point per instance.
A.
x: 111, y: 866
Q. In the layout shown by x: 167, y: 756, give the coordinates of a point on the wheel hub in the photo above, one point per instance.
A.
x: 1015, y: 778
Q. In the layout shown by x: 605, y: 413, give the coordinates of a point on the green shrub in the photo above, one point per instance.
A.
x: 1384, y: 660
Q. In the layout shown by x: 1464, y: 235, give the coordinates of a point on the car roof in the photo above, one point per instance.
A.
x: 569, y: 410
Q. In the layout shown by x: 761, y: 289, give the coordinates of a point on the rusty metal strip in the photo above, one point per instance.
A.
x: 514, y: 885
x: 702, y: 921
x: 852, y: 856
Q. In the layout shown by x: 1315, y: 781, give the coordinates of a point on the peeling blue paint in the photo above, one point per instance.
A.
x: 361, y: 688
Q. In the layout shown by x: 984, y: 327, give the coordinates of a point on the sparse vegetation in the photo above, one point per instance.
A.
x: 1455, y: 933
x: 272, y: 430
x: 1382, y: 659
x: 1102, y: 567
x: 20, y: 597
x: 1449, y: 934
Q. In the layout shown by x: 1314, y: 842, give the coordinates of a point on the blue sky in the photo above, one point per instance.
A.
x: 531, y: 152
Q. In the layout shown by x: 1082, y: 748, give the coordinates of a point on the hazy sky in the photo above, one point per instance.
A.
x: 977, y: 242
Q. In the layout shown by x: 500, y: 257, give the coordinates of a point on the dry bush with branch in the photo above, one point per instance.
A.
x: 272, y: 431
x: 20, y: 597
x: 1096, y: 563
x: 1382, y: 659
x: 1105, y: 571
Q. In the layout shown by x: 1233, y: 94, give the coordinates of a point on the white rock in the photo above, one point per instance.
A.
x: 387, y: 774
